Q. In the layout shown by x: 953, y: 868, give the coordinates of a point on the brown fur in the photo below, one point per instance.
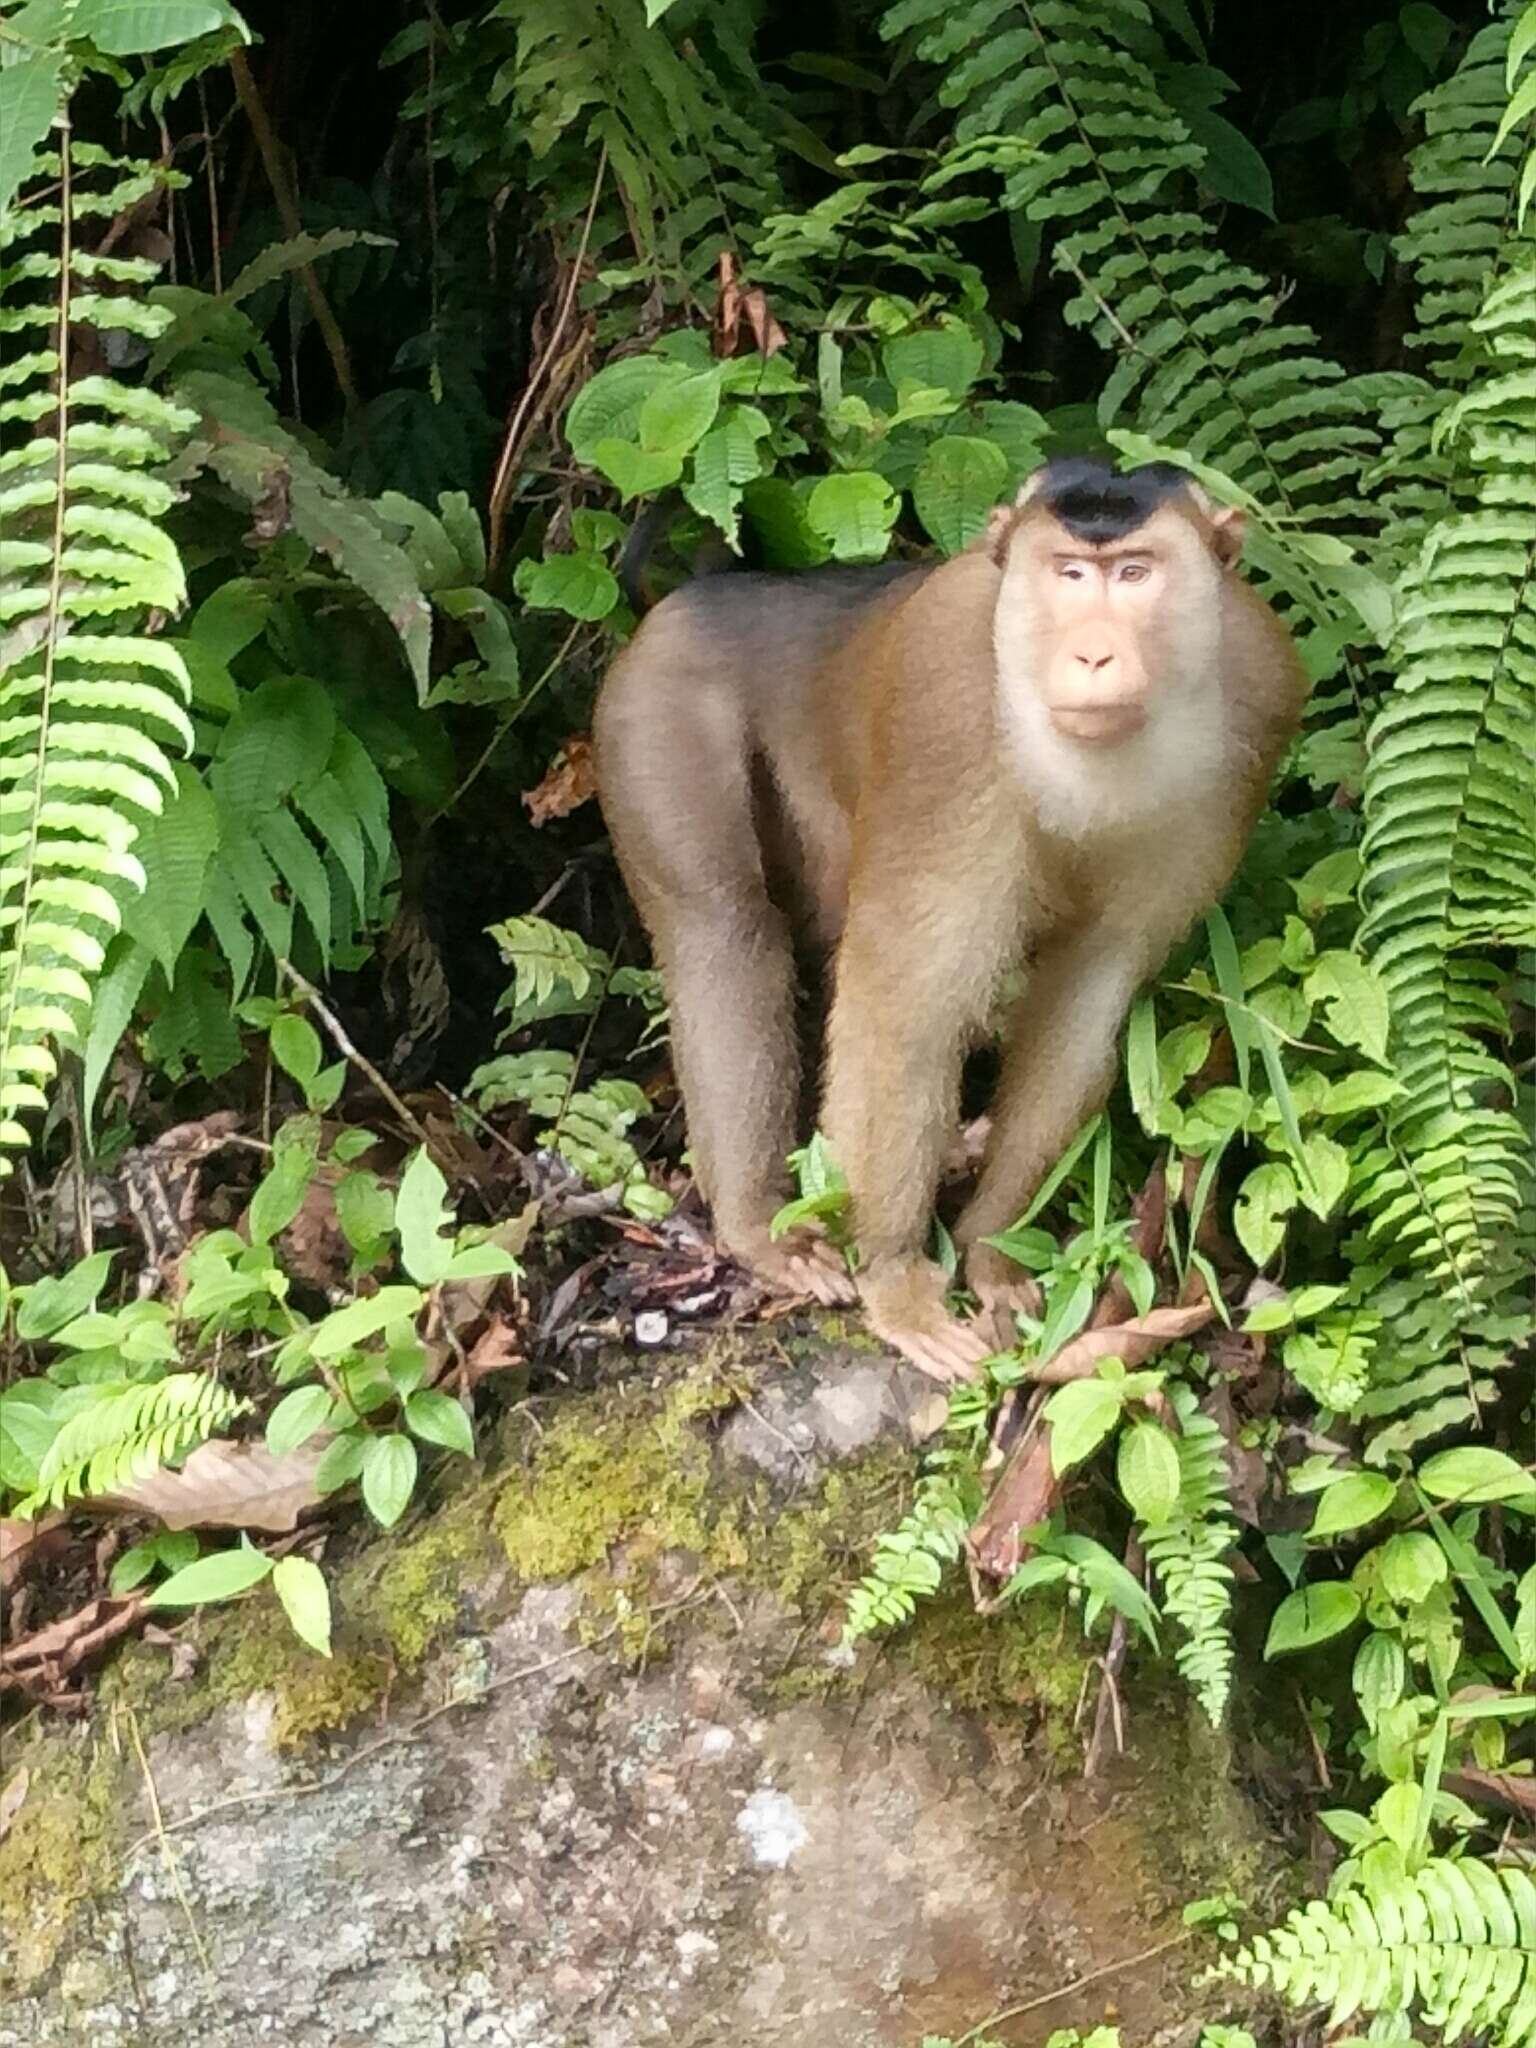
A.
x: 837, y: 749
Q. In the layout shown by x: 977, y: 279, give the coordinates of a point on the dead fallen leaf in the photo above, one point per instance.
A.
x: 1149, y: 1214
x: 1025, y: 1492
x: 184, y: 1657
x: 40, y: 1662
x: 498, y: 1348
x: 228, y: 1486
x: 1514, y: 1793
x: 23, y: 1544
x: 13, y: 1798
x: 569, y: 781
x: 1132, y: 1341
x: 739, y: 308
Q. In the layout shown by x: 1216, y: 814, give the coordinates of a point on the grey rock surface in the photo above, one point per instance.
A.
x: 583, y: 1854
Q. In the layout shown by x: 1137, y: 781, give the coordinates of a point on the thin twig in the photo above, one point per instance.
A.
x: 505, y: 727
x: 364, y: 1065
x: 168, y: 1855
x: 501, y: 483
x: 293, y: 226
x: 1015, y: 2012
x: 215, y: 232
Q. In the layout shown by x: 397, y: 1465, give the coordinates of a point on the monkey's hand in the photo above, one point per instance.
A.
x: 904, y: 1300
x: 797, y: 1263
x: 1004, y: 1289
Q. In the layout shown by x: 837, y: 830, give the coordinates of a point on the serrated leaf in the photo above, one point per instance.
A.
x: 582, y: 585
x: 958, y: 483
x: 300, y: 1584
x: 1354, y: 999
x: 175, y: 850
x: 633, y: 471
x: 854, y: 513
x: 1264, y: 1201
x: 677, y: 415
x: 944, y: 358
x: 607, y: 407
x: 1147, y: 1471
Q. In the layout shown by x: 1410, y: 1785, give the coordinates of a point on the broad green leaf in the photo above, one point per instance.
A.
x: 438, y: 1419
x: 1351, y: 1502
x: 1328, y: 1165
x: 1366, y: 1089
x: 1081, y: 1415
x: 219, y: 1576
x: 1311, y: 1615
x: 345, y: 1328
x: 582, y: 586
x: 421, y: 1216
x: 1147, y: 1469
x: 1379, y: 1675
x: 1354, y: 1000
x: 231, y: 617
x: 132, y: 1569
x: 389, y: 1477
x: 607, y: 407
x: 296, y: 1047
x: 57, y: 1299
x: 947, y: 357
x: 958, y: 483
x: 30, y: 1416
x: 1477, y: 1472
x: 632, y: 471
x: 1410, y: 1565
x: 678, y: 415
x: 280, y: 1194
x: 340, y: 1463
x: 112, y: 1007
x: 129, y: 28
x: 300, y: 1585
x: 296, y: 1418
x: 854, y: 513
x: 29, y: 98
x: 1265, y: 1199
x: 365, y: 1209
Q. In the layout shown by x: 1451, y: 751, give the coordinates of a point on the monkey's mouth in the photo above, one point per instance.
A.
x: 1099, y: 724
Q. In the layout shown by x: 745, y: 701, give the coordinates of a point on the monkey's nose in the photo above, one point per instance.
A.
x: 1095, y: 662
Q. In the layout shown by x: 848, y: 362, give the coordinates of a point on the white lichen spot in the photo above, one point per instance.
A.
x: 715, y: 1741
x: 771, y: 1823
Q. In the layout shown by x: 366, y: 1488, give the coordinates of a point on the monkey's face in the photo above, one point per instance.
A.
x: 1111, y: 630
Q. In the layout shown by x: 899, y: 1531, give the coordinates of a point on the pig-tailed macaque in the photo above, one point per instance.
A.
x: 1045, y: 754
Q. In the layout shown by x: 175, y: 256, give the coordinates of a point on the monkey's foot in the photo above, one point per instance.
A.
x: 1005, y: 1291
x: 904, y: 1301
x: 797, y: 1263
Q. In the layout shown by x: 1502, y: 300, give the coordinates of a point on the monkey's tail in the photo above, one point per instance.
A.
x: 636, y: 558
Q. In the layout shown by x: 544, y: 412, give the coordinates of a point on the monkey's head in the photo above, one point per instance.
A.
x: 1109, y: 610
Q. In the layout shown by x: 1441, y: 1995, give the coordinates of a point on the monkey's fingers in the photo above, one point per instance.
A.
x: 948, y: 1353
x: 800, y: 1263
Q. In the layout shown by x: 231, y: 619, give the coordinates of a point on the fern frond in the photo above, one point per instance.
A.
x: 129, y: 1431
x: 1453, y: 1944
x: 88, y: 706
x: 1450, y: 845
x: 910, y: 1561
x: 1205, y: 363
x: 1188, y: 1553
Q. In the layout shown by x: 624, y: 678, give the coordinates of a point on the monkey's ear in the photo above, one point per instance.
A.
x: 1229, y: 528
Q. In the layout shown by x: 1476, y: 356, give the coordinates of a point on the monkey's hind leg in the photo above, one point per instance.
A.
x: 730, y: 975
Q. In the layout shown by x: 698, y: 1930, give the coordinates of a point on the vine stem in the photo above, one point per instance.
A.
x: 1015, y: 2012
x: 361, y: 1061
x: 501, y: 483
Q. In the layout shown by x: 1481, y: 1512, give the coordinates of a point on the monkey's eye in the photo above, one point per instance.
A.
x: 1074, y: 572
x: 1132, y: 572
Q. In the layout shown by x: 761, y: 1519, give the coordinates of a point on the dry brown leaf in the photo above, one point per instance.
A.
x: 569, y: 781
x: 39, y: 1662
x: 1149, y: 1214
x: 23, y: 1544
x: 1514, y: 1793
x: 1025, y: 1493
x: 739, y: 308
x: 498, y: 1348
x: 1132, y: 1342
x: 13, y: 1798
x: 228, y: 1486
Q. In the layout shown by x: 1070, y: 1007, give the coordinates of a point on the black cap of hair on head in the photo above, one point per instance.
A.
x: 1096, y: 503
